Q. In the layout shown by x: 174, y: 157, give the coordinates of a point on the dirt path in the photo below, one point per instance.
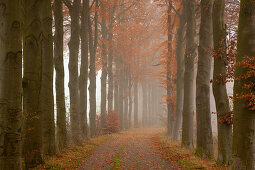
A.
x: 129, y: 150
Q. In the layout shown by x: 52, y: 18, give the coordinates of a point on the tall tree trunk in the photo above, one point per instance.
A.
x: 130, y: 101
x: 204, y: 129
x: 47, y: 99
x: 126, y: 98
x: 136, y: 96
x: 244, y: 119
x: 104, y: 69
x: 116, y: 90
x: 135, y: 103
x: 92, y: 73
x: 10, y: 84
x: 219, y: 85
x: 73, y: 71
x: 190, y: 53
x: 121, y: 96
x: 60, y: 75
x: 32, y: 84
x: 170, y: 116
x: 180, y: 74
x: 145, y: 105
x: 83, y: 81
x: 110, y: 73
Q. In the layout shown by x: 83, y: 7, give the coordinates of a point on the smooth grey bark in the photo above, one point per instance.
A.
x: 60, y: 75
x: 190, y: 54
x: 244, y: 119
x: 180, y: 74
x: 73, y: 84
x: 92, y: 74
x: 47, y: 99
x: 204, y: 129
x: 32, y: 84
x: 104, y: 68
x: 219, y: 85
x: 83, y: 80
x: 10, y: 84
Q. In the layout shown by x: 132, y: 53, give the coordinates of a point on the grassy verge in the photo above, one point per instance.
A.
x: 117, y: 157
x: 73, y: 157
x: 185, y: 157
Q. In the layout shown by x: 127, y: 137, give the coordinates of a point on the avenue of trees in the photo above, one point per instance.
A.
x: 157, y: 60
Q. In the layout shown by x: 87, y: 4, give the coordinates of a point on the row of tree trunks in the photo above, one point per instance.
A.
x: 10, y: 86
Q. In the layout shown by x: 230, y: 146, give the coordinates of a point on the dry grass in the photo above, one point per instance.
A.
x: 185, y: 157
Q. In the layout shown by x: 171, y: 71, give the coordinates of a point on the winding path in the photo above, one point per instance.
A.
x: 132, y: 149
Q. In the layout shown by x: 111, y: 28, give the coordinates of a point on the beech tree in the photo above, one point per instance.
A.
x: 93, y: 42
x: 243, y: 132
x: 104, y: 66
x: 47, y: 100
x: 204, y: 129
x: 219, y: 83
x: 190, y: 54
x: 32, y: 83
x: 60, y: 75
x: 74, y: 10
x: 10, y: 84
x: 83, y: 80
x: 180, y: 72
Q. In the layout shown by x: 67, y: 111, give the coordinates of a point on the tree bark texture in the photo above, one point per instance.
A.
x: 190, y: 54
x: 83, y: 81
x: 219, y: 86
x: 32, y: 84
x: 60, y: 75
x: 244, y: 119
x: 92, y: 74
x: 180, y: 74
x: 10, y: 86
x: 47, y: 99
x: 204, y: 129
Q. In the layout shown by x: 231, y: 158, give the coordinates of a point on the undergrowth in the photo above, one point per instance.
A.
x: 184, y: 157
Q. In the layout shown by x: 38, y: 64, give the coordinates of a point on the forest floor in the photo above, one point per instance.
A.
x: 145, y: 148
x: 132, y: 149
